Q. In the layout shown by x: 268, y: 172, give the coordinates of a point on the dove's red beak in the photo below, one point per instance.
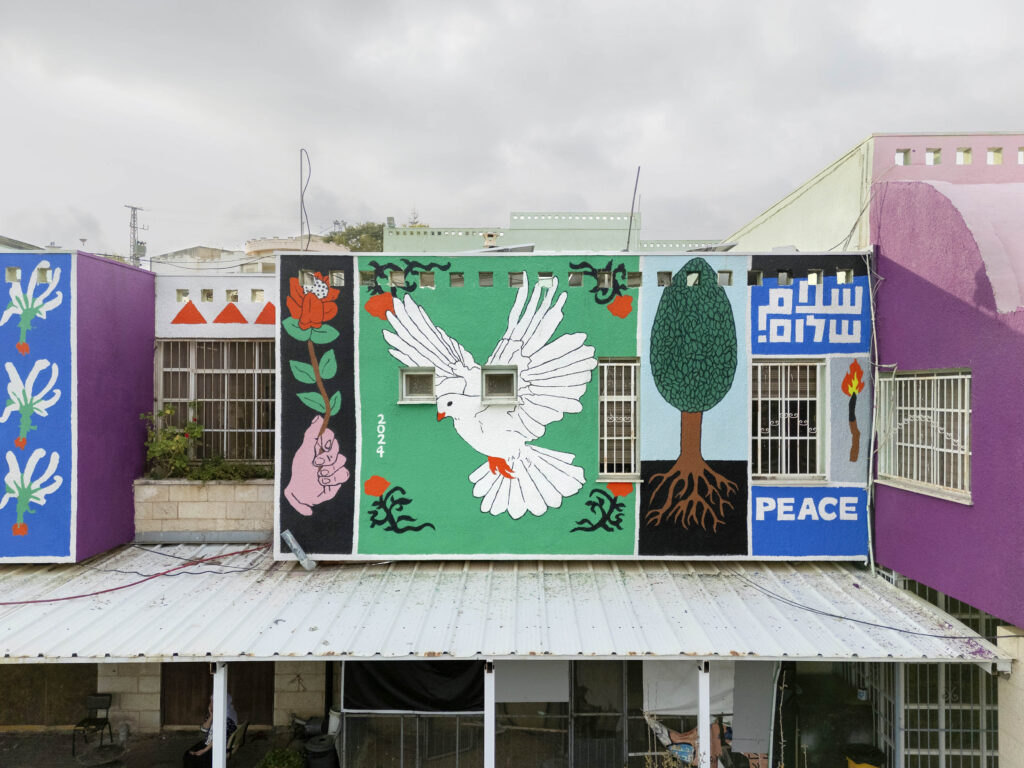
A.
x: 440, y: 415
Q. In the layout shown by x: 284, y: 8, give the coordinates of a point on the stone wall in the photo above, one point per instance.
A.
x: 169, y: 509
x: 299, y: 687
x: 1011, y: 701
x: 136, y: 694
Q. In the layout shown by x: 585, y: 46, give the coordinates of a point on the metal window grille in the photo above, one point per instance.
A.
x: 935, y: 715
x: 925, y: 429
x: 785, y: 416
x: 618, y: 399
x: 232, y: 384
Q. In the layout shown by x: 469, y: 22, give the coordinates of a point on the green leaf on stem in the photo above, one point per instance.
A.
x: 335, y: 403
x: 313, y: 400
x: 328, y: 365
x: 291, y: 327
x: 302, y: 372
x: 323, y: 335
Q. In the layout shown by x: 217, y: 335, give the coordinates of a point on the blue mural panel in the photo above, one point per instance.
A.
x: 805, y: 319
x: 35, y: 423
x: 790, y: 521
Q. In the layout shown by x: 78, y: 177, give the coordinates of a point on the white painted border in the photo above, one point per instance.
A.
x: 277, y: 413
x: 73, y: 341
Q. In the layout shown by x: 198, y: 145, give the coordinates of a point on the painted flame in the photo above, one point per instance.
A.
x: 853, y: 382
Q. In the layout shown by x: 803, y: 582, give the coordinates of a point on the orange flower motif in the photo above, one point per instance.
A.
x: 620, y: 489
x: 21, y: 442
x: 22, y: 347
x: 313, y: 306
x: 375, y: 486
x: 380, y: 305
x: 621, y: 306
x: 20, y: 529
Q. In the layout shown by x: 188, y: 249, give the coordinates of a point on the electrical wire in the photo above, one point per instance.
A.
x: 134, y: 583
x: 220, y: 569
x: 820, y: 612
x: 302, y: 197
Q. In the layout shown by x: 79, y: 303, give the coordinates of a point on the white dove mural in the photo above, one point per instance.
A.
x: 552, y: 376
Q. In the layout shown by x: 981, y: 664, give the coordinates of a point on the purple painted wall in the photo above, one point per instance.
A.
x: 936, y: 309
x: 115, y: 384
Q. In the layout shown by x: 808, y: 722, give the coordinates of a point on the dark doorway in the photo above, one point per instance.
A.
x: 45, y: 694
x: 185, y: 691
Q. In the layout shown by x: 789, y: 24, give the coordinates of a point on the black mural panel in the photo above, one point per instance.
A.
x: 316, y: 369
x: 799, y: 264
x: 669, y: 537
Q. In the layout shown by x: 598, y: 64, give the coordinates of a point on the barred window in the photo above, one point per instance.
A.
x: 618, y: 398
x: 232, y: 384
x: 924, y: 429
x: 786, y: 418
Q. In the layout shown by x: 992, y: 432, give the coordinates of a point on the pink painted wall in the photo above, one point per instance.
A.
x: 978, y: 172
x: 936, y: 309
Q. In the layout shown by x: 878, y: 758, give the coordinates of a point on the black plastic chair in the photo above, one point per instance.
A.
x: 94, y: 723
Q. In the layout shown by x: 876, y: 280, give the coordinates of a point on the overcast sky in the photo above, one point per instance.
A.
x: 465, y: 109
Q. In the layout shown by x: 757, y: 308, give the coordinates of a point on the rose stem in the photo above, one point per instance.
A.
x: 319, y: 385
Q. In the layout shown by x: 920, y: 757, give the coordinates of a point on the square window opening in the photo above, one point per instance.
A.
x: 754, y: 277
x: 337, y: 278
x: 963, y: 156
x: 933, y: 156
x: 664, y: 279
x: 256, y: 296
x: 206, y: 295
x: 604, y: 279
x: 396, y: 278
x: 13, y: 275
x: 902, y: 157
x: 575, y: 279
x: 634, y: 279
x: 785, y: 277
x: 814, y: 277
x: 515, y: 279
x: 456, y: 279
x: 231, y: 295
x: 499, y: 384
x: 181, y: 295
x: 844, y: 276
x: 725, y: 277
x: 43, y: 275
x: 486, y: 279
x: 366, y: 278
x: 994, y: 156
x: 426, y: 279
x: 546, y: 279
x: 416, y: 385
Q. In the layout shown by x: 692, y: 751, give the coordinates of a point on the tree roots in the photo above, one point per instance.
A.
x: 690, y: 495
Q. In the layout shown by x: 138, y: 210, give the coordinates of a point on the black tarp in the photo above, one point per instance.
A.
x: 414, y: 686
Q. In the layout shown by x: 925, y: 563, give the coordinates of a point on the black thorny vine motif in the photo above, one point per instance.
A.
x: 410, y: 273
x: 383, y: 512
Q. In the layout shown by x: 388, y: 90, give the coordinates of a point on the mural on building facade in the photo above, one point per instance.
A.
x: 853, y: 383
x: 316, y: 439
x: 36, y: 499
x: 550, y: 378
x: 610, y: 285
x: 693, y: 360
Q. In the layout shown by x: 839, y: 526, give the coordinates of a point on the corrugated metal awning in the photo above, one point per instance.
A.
x: 247, y: 606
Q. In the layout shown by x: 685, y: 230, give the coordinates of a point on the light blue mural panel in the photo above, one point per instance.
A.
x: 791, y: 521
x: 35, y: 423
x: 806, y: 319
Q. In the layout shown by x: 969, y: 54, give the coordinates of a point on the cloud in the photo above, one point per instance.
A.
x: 468, y: 109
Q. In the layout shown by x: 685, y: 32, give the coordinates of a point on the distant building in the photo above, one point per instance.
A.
x: 257, y: 258
x: 545, y: 231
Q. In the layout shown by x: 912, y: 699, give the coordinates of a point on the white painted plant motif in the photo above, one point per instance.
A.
x: 551, y: 377
x: 23, y: 398
x: 28, y: 306
x: 26, y: 489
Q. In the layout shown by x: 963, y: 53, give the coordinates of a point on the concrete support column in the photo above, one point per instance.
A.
x: 489, y: 714
x: 704, y: 714
x: 220, y: 715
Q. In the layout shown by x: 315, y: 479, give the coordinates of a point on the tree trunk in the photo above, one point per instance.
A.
x: 690, y: 425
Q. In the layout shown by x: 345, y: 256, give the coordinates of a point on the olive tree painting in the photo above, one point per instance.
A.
x: 693, y: 362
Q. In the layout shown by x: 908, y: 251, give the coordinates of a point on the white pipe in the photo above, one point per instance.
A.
x: 220, y: 719
x: 489, y: 714
x: 704, y: 714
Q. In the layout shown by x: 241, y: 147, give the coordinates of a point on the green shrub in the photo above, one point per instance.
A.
x: 282, y: 758
x: 168, y: 447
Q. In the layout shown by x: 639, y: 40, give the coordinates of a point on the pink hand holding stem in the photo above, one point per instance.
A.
x: 318, y: 469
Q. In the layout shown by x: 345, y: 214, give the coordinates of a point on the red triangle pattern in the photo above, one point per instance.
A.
x: 267, y: 316
x: 230, y: 314
x: 189, y: 315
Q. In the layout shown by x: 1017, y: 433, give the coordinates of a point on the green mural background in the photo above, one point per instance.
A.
x: 428, y: 459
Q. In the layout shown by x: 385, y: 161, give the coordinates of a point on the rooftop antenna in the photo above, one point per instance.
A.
x: 632, y: 206
x: 136, y: 247
x: 304, y: 173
